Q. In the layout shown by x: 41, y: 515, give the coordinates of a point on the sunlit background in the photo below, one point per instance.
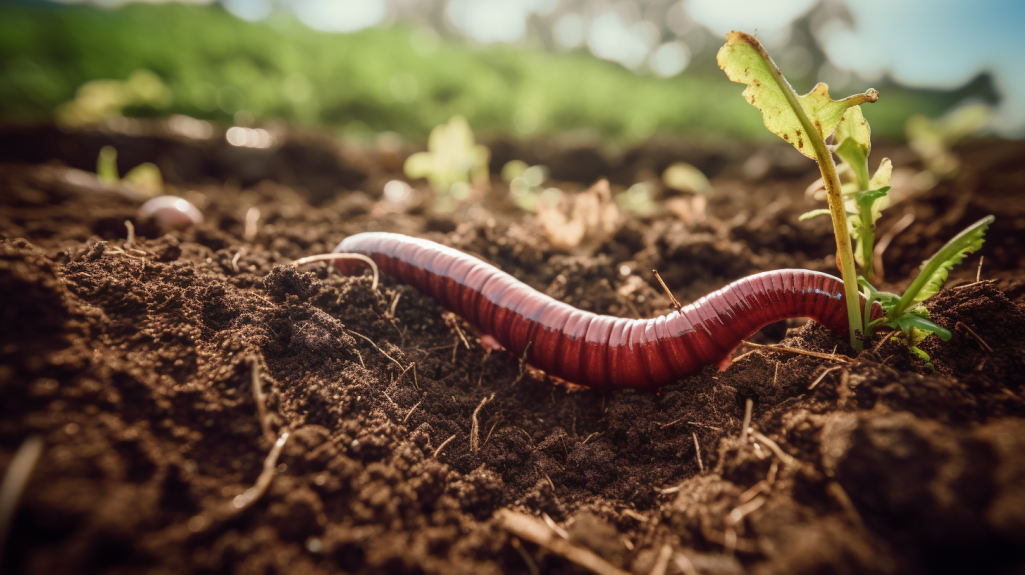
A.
x: 615, y: 71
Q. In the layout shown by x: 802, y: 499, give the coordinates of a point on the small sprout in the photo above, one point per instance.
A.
x: 683, y: 177
x: 451, y: 163
x: 932, y: 140
x: 144, y: 178
x: 513, y: 169
x: 525, y: 185
x: 637, y: 200
x: 106, y: 166
x: 805, y: 122
x: 906, y: 312
x: 171, y: 211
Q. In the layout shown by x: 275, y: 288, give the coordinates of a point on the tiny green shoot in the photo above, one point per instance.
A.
x: 525, y: 185
x: 805, y: 122
x: 906, y: 312
x: 144, y: 178
x: 106, y: 166
x: 452, y: 162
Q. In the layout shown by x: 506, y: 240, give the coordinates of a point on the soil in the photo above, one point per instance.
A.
x: 136, y: 363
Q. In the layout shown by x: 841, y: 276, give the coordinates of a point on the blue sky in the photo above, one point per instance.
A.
x: 921, y: 43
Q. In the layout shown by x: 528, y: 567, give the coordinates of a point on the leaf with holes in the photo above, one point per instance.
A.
x: 745, y: 61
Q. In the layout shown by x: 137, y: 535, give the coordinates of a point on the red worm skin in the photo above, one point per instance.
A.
x: 599, y: 351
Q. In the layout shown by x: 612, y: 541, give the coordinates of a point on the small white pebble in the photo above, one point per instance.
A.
x: 171, y: 211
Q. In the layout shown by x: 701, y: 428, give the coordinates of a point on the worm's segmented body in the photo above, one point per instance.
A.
x: 599, y: 351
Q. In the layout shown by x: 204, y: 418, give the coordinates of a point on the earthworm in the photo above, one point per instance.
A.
x: 598, y: 351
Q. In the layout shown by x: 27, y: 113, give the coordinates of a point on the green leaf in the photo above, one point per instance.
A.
x: 106, y: 166
x: 145, y: 178
x: 745, y: 61
x: 451, y: 158
x: 813, y: 214
x: 918, y: 328
x: 855, y: 143
x: 936, y: 269
x: 924, y: 356
x: 865, y: 199
x: 882, y: 176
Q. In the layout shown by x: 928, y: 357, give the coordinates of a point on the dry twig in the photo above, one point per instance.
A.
x: 394, y: 304
x: 735, y: 517
x: 475, y: 428
x: 975, y: 335
x: 794, y: 350
x: 130, y: 240
x: 672, y: 299
x: 531, y: 565
x: 823, y: 375
x: 234, y: 259
x: 411, y: 410
x: 555, y: 526
x: 885, y: 339
x: 341, y: 256
x: 442, y: 446
x: 260, y: 399
x: 395, y: 361
x: 662, y: 561
x: 838, y: 493
x: 535, y: 531
x: 241, y: 502
x: 748, y: 408
x: 697, y: 448
x: 523, y: 362
x: 773, y: 446
x: 252, y: 221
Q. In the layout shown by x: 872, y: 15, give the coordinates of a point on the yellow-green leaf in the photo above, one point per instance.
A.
x: 745, y: 61
x: 854, y: 143
x: 882, y: 176
x: 146, y: 179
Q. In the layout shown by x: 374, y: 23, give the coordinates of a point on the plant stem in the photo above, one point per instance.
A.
x: 845, y: 252
x: 868, y: 242
x: 870, y: 298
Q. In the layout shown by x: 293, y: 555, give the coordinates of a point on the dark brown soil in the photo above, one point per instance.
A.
x: 136, y: 368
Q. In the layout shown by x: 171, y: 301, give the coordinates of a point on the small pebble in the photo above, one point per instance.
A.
x: 171, y: 211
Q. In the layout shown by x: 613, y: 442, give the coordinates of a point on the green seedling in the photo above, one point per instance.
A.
x: 906, y: 312
x: 683, y: 177
x: 144, y: 178
x: 452, y: 162
x: 525, y: 185
x: 932, y: 140
x: 805, y: 122
x: 638, y: 200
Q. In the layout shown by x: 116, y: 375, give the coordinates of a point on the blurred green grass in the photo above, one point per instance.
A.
x: 215, y: 65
